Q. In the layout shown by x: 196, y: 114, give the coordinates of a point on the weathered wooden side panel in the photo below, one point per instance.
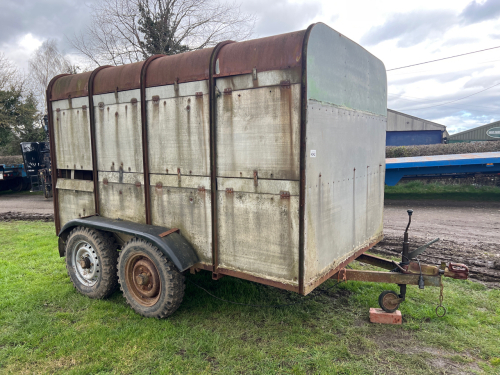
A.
x: 72, y: 134
x: 259, y: 235
x: 187, y: 208
x: 259, y: 130
x: 118, y: 131
x: 74, y: 204
x: 179, y: 162
x: 121, y: 196
x: 71, y: 184
x: 179, y: 129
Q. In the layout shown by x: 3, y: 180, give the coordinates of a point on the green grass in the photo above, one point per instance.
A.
x: 420, y: 190
x: 47, y: 327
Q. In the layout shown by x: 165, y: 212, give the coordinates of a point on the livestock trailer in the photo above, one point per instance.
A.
x: 262, y: 160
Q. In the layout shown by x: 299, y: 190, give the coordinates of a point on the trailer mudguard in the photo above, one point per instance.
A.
x: 174, y: 246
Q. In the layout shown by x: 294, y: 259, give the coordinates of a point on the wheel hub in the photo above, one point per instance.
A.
x: 391, y: 301
x: 143, y: 280
x: 85, y: 263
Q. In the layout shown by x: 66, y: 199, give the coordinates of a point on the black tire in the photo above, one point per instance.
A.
x: 100, y: 249
x: 151, y: 283
x: 387, y: 301
x: 17, y: 185
x: 26, y: 184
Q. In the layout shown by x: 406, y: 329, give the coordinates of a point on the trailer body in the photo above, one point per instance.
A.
x: 268, y: 155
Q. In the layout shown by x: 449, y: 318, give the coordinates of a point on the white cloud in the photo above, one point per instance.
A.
x: 398, y: 32
x: 21, y: 49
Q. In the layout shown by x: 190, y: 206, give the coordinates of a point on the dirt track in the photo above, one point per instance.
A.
x: 26, y: 207
x: 469, y: 231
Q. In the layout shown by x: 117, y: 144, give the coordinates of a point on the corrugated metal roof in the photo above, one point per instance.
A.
x: 475, y: 134
x: 398, y: 121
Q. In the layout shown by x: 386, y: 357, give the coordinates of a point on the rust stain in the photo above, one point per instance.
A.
x: 264, y: 54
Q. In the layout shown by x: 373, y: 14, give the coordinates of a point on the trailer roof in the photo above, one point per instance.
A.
x: 271, y: 53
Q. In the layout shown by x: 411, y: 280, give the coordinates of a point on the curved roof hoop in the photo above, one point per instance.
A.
x: 92, y: 135
x: 52, y: 144
x: 213, y: 151
x: 145, y: 149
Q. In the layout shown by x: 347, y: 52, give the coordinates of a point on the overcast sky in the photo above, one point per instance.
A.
x: 398, y: 32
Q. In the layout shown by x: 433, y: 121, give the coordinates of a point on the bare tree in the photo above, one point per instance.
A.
x: 45, y: 63
x: 124, y: 31
x: 8, y: 73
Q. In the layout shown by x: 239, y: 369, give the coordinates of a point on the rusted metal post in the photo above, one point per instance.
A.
x: 404, y: 257
x: 53, y: 158
x: 92, y: 136
x: 145, y: 149
x: 213, y: 152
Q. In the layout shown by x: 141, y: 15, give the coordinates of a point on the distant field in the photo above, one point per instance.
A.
x: 420, y: 190
x: 47, y: 327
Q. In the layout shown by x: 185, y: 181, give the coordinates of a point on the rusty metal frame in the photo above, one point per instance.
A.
x: 256, y: 279
x: 145, y: 147
x: 92, y: 136
x: 213, y: 152
x: 302, y: 194
x: 377, y: 261
x: 53, y: 158
x: 387, y: 277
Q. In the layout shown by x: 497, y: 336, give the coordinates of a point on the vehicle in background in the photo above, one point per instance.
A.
x: 13, y: 176
x: 36, y: 157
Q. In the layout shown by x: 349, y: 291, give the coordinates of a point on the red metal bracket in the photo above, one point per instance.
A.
x: 165, y: 234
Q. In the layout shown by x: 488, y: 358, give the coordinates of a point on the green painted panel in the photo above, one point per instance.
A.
x: 343, y: 73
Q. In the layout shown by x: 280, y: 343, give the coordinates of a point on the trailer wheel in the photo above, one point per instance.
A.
x: 91, y: 258
x: 151, y: 283
x: 17, y: 185
x: 388, y: 301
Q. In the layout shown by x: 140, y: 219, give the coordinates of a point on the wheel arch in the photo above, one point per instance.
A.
x: 175, y: 247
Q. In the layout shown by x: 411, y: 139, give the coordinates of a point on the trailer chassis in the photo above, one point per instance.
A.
x: 407, y: 272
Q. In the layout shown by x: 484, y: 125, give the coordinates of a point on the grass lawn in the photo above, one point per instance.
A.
x: 420, y: 190
x: 47, y: 327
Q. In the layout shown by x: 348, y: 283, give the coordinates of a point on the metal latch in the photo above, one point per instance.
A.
x: 284, y: 194
x: 285, y: 83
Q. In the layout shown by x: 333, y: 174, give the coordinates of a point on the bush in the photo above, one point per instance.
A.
x: 441, y: 149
